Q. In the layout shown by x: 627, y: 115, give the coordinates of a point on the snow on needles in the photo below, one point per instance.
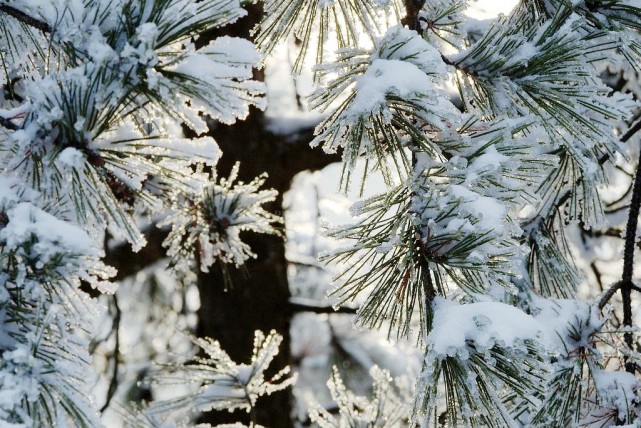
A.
x: 212, y: 222
x: 482, y: 323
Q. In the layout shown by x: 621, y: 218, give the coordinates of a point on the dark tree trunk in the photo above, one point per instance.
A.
x: 258, y: 296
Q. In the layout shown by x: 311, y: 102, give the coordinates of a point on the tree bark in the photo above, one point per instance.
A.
x: 259, y: 294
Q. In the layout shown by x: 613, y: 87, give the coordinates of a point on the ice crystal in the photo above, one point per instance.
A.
x: 222, y: 383
x: 212, y: 222
x: 387, y: 407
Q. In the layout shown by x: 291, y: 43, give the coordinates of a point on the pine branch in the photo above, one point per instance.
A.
x: 26, y: 19
x: 624, y: 138
x: 459, y: 67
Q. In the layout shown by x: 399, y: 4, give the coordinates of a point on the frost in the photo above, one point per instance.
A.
x: 214, y: 219
x: 320, y: 24
x: 468, y: 351
x: 483, y: 323
x: 569, y: 324
x: 386, y: 78
x: 224, y: 69
x: 399, y: 75
x: 494, y: 141
x: 619, y: 391
x: 44, y: 259
x: 52, y: 236
x: 71, y: 158
x: 223, y: 384
x: 76, y: 116
x: 387, y: 407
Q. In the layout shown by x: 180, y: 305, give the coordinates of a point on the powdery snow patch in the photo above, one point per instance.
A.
x: 53, y: 236
x: 568, y: 324
x: 71, y: 158
x: 618, y: 392
x: 484, y: 323
x: 383, y: 78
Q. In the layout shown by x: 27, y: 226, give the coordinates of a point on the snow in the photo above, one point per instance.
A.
x: 483, y: 323
x: 225, y: 57
x: 400, y: 43
x: 224, y: 209
x: 99, y: 51
x: 617, y: 389
x: 568, y: 324
x: 53, y: 235
x: 489, y: 211
x: 8, y: 196
x: 401, y: 65
x: 484, y: 9
x: 490, y: 158
x: 203, y: 149
x: 71, y: 158
x: 384, y: 78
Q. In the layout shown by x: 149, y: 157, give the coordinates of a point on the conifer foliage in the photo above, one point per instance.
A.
x: 496, y: 141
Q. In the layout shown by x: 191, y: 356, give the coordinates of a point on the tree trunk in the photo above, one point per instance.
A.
x: 258, y: 295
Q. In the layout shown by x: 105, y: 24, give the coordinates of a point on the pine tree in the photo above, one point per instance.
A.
x: 498, y: 144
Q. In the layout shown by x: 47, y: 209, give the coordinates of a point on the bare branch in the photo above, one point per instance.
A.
x: 6, y: 123
x: 631, y: 131
x: 295, y: 305
x: 608, y: 294
x: 25, y: 19
x: 113, y: 383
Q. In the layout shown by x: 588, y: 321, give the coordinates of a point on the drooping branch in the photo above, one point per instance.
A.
x: 25, y: 19
x: 636, y: 127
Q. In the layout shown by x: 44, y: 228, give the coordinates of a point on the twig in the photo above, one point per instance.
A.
x: 302, y: 307
x: 6, y: 123
x: 631, y: 131
x: 608, y: 294
x: 628, y: 258
x: 625, y: 284
x: 597, y: 274
x: 113, y: 383
x: 26, y: 19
